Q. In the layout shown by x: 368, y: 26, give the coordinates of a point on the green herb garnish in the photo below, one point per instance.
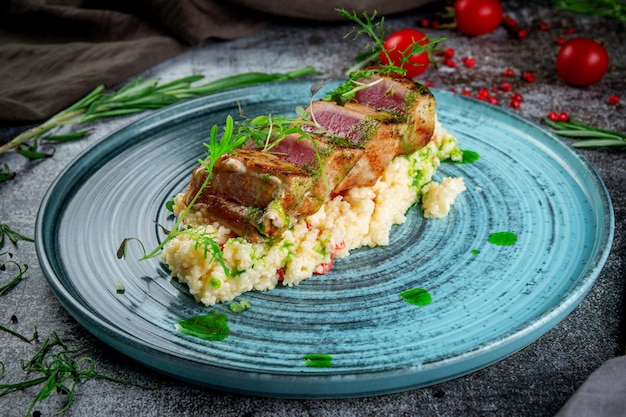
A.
x: 61, y: 369
x: 239, y: 306
x: 605, y: 8
x: 6, y: 258
x: 5, y: 173
x: 12, y: 235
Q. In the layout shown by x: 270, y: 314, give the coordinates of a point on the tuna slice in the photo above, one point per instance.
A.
x: 255, y: 193
x: 377, y: 133
x: 328, y: 161
x: 410, y: 101
x: 255, y: 179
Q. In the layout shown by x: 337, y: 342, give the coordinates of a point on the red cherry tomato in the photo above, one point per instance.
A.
x: 477, y: 17
x: 399, y: 44
x: 582, y: 61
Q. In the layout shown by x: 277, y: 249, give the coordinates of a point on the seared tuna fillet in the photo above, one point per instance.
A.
x: 257, y: 193
x: 255, y: 179
x: 402, y: 96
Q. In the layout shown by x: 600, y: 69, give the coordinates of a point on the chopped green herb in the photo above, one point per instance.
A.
x: 6, y: 174
x: 239, y: 306
x: 468, y: 157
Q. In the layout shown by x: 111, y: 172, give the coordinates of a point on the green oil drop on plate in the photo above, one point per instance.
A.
x: 317, y: 360
x: 416, y: 296
x: 503, y: 238
x: 212, y: 326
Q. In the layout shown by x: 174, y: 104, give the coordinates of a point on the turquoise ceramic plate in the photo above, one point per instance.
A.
x: 488, y: 300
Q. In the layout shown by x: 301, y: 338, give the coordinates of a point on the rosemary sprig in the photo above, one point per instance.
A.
x: 588, y: 136
x: 61, y: 368
x: 605, y: 8
x: 137, y: 96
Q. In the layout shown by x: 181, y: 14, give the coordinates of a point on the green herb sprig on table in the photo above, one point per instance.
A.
x: 137, y: 96
x: 606, y: 8
x: 588, y: 136
x: 60, y: 369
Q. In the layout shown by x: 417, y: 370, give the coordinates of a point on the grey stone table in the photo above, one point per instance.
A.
x: 535, y: 381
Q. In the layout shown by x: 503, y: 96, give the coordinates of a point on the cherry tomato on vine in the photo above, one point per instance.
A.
x: 582, y: 61
x: 399, y: 44
x: 477, y: 17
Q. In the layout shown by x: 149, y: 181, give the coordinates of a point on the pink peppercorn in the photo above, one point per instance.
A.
x: 469, y: 62
x: 613, y: 100
x: 509, y: 72
x: 529, y: 77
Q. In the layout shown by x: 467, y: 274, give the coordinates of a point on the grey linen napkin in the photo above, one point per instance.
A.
x: 53, y: 52
x: 603, y: 394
